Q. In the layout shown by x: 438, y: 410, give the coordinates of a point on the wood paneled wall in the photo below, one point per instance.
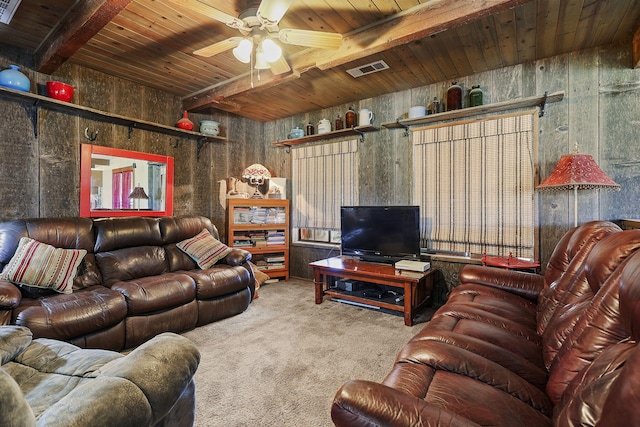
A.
x: 600, y: 112
x: 40, y: 170
x: 40, y: 173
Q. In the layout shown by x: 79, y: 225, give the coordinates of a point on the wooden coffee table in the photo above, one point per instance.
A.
x: 417, y: 287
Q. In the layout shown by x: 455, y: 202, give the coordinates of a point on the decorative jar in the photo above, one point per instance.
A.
x: 184, y: 122
x: 210, y: 127
x: 324, y: 126
x: 475, y: 96
x: 454, y: 97
x: 350, y: 118
x: 296, y: 133
x: 14, y: 79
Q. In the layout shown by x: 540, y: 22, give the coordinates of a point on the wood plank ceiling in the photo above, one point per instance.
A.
x: 152, y: 42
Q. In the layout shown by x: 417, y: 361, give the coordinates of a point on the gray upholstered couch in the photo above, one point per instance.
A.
x: 46, y: 382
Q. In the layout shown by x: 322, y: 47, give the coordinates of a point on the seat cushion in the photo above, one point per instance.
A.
x: 155, y: 293
x: 219, y: 281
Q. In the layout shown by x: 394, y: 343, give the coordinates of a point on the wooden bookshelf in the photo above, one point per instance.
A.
x: 261, y: 226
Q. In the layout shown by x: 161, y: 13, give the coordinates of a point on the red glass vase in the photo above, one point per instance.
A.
x: 184, y: 122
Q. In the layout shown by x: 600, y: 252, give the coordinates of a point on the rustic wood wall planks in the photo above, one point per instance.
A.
x: 599, y: 112
x: 40, y: 174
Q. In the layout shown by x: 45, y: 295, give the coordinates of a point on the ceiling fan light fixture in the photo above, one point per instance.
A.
x: 243, y: 51
x: 272, y: 52
x: 261, y: 61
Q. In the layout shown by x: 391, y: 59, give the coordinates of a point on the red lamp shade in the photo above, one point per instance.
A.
x: 577, y: 171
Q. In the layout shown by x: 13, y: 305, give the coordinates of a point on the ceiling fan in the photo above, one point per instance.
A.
x: 258, y: 24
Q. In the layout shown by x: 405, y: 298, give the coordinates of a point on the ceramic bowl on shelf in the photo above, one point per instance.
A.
x: 210, y: 127
x: 60, y: 91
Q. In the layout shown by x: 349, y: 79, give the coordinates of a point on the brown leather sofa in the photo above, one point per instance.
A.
x: 133, y: 283
x: 518, y: 349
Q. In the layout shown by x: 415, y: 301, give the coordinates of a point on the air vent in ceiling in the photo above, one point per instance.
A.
x: 363, y: 70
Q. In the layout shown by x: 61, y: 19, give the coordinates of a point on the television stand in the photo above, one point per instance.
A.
x: 417, y: 287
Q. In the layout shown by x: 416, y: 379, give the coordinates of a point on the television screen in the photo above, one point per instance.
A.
x: 380, y: 233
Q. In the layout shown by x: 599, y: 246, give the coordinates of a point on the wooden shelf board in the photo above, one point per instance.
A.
x: 67, y: 107
x: 358, y: 130
x: 471, y: 111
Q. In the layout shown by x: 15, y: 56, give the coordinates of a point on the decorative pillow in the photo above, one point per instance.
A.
x: 43, y: 266
x: 205, y: 249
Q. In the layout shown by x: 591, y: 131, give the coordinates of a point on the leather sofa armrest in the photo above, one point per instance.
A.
x: 237, y: 257
x: 138, y: 389
x: 10, y: 295
x: 366, y: 403
x: 526, y: 285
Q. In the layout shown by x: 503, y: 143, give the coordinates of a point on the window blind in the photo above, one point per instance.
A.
x: 474, y: 183
x: 324, y: 177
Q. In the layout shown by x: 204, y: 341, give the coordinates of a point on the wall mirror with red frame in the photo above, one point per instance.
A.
x: 115, y: 182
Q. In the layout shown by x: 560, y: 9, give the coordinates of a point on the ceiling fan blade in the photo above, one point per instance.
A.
x: 219, y: 47
x: 309, y: 38
x: 280, y: 66
x: 271, y: 12
x: 212, y: 12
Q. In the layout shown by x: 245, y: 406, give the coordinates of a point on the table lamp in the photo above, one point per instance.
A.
x: 137, y: 194
x: 256, y: 175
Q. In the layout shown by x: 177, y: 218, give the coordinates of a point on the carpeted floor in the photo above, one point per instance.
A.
x: 281, y: 361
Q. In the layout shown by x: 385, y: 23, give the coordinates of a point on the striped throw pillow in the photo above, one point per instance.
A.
x: 204, y: 249
x: 43, y: 266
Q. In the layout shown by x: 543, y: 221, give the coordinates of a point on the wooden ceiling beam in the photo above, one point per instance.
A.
x: 421, y: 21
x: 83, y: 21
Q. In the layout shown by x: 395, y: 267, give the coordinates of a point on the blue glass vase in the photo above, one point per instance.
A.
x: 14, y: 79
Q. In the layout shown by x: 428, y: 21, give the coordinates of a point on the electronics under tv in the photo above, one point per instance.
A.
x: 380, y: 233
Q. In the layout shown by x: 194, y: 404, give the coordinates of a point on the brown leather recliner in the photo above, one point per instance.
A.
x: 133, y: 284
x: 481, y: 360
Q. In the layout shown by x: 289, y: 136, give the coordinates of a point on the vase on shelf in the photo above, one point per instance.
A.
x: 475, y: 96
x: 184, y: 122
x: 13, y: 78
x: 454, y: 97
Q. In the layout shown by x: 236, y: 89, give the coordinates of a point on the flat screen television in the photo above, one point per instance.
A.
x: 380, y: 233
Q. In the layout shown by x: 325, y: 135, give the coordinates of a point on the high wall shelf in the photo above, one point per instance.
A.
x: 358, y: 130
x: 92, y: 113
x: 533, y: 101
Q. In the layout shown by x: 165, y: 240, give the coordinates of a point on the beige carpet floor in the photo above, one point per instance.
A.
x: 281, y: 361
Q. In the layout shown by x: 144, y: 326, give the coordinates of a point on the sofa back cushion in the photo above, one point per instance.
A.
x: 605, y: 391
x: 175, y: 229
x: 128, y: 248
x: 582, y: 330
x: 126, y: 232
x: 178, y: 228
x: 65, y: 233
x: 567, y: 275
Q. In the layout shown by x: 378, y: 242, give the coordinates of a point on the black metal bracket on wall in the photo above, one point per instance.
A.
x: 405, y: 127
x: 359, y: 133
x: 201, y: 144
x: 543, y: 104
